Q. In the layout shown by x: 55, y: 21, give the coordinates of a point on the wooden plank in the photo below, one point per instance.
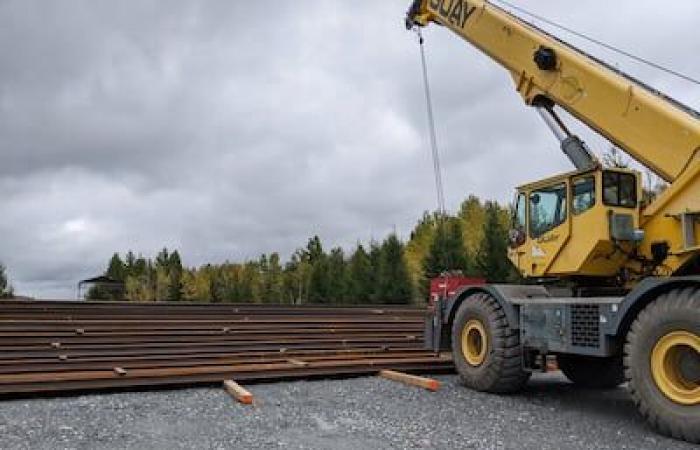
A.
x: 413, y: 380
x: 297, y: 362
x: 238, y: 392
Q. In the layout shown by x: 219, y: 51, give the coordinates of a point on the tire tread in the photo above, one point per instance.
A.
x: 504, y: 373
x: 665, y: 422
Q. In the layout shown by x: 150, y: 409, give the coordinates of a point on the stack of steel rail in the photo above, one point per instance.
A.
x: 48, y: 346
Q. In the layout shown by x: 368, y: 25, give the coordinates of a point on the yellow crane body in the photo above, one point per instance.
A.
x: 660, y: 133
x: 614, y: 276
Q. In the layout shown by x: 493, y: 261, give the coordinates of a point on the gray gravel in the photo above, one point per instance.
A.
x: 338, y: 414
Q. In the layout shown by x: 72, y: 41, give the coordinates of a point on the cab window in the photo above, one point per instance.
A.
x: 547, y: 209
x: 619, y: 189
x: 583, y: 195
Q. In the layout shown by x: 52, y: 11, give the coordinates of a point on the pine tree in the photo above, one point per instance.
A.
x: 150, y: 281
x: 175, y: 277
x: 359, y: 277
x: 162, y: 258
x: 141, y: 267
x: 274, y: 286
x: 6, y: 290
x: 116, y: 269
x: 375, y: 260
x: 492, y: 256
x: 319, y: 279
x: 447, y: 252
x: 337, y: 287
x: 394, y: 284
x: 264, y: 272
x: 314, y: 250
x: 129, y: 262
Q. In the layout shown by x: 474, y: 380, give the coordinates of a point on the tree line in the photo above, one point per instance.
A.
x: 473, y: 241
x: 377, y: 274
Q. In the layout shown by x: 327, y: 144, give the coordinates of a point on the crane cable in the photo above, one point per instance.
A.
x: 598, y: 42
x: 437, y: 168
x: 431, y: 125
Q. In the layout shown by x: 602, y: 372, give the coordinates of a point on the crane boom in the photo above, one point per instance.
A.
x: 657, y: 131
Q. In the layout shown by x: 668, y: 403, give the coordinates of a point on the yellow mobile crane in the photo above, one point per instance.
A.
x: 632, y: 312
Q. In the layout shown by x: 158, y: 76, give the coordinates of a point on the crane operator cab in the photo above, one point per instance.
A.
x: 583, y: 223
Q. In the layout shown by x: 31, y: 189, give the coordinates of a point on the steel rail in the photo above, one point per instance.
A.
x: 58, y: 346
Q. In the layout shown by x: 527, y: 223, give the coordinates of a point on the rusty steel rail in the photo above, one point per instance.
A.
x: 48, y: 346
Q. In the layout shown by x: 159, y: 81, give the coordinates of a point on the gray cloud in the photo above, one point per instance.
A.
x: 228, y: 129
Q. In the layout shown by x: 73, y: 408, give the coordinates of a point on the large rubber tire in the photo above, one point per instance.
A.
x: 677, y: 311
x: 591, y: 372
x: 501, y: 370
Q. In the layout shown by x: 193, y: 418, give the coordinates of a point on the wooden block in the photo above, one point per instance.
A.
x: 56, y: 344
x: 63, y: 357
x: 120, y: 371
x: 238, y: 392
x: 413, y: 380
x: 79, y: 331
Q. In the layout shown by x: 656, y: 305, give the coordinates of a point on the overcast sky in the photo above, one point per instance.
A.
x: 227, y: 129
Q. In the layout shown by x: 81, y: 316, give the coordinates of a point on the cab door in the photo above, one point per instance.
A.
x: 545, y: 210
x: 548, y: 225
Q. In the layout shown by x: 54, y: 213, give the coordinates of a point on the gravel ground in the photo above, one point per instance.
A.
x: 339, y: 414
